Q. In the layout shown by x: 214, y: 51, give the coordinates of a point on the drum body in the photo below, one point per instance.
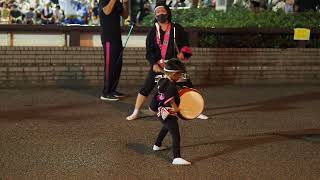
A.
x: 191, y: 103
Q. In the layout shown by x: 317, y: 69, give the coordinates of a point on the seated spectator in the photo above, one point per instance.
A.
x: 24, y: 7
x: 4, y: 14
x: 15, y: 15
x: 30, y: 16
x: 58, y: 15
x: 46, y: 14
x: 11, y: 3
x: 38, y: 8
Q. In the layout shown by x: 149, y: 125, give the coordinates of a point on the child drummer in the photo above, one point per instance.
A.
x: 165, y: 103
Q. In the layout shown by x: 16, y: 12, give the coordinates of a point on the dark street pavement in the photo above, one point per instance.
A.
x: 254, y: 132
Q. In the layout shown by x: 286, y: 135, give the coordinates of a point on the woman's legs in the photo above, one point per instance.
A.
x: 139, y: 102
x: 148, y: 86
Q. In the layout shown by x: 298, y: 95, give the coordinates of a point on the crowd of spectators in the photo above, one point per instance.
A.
x: 275, y: 5
x: 288, y: 6
x: 86, y: 11
x: 49, y: 12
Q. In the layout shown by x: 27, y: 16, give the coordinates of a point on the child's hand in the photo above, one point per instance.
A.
x: 163, y: 113
x: 180, y: 56
x: 156, y: 68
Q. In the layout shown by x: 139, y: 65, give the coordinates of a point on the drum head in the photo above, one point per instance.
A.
x: 191, y: 104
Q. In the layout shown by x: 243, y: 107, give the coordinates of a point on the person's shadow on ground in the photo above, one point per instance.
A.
x: 234, y: 145
x: 273, y: 105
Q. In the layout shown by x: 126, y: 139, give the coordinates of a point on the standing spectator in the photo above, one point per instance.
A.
x: 46, y: 14
x: 289, y: 6
x: 83, y: 12
x: 146, y: 9
x: 110, y: 12
x: 136, y: 8
x: 58, y: 15
x: 278, y: 5
x: 55, y: 1
x: 180, y: 3
x: 15, y: 15
x: 307, y: 5
x: 254, y: 5
x: 30, y: 16
x: 95, y: 14
x: 4, y: 14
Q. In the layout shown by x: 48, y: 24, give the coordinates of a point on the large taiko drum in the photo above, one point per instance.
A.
x: 191, y: 103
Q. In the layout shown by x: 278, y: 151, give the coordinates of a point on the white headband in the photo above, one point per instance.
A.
x: 157, y: 8
x: 169, y: 70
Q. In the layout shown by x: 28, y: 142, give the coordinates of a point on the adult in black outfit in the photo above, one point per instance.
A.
x: 110, y: 12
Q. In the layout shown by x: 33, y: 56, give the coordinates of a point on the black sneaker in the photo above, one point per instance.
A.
x: 109, y: 98
x: 118, y: 94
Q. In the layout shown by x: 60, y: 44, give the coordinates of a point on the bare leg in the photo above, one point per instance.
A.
x: 139, y: 102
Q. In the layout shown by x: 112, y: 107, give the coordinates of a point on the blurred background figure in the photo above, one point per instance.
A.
x: 307, y: 5
x: 180, y: 3
x: 47, y: 14
x: 136, y: 7
x: 254, y: 5
x: 95, y: 14
x: 30, y: 16
x: 58, y: 15
x: 24, y: 7
x: 4, y: 13
x: 278, y: 5
x: 289, y: 6
x: 15, y: 15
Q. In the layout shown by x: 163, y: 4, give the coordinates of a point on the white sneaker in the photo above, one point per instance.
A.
x: 202, y: 116
x: 180, y: 161
x: 133, y: 116
x: 157, y: 148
